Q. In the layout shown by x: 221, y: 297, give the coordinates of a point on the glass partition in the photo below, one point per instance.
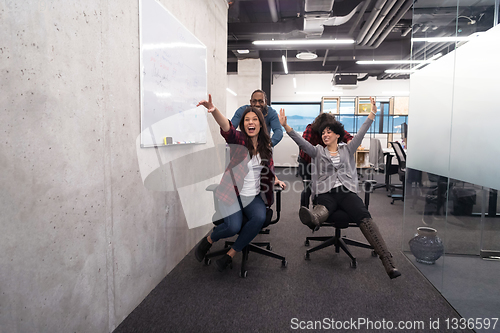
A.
x: 451, y: 227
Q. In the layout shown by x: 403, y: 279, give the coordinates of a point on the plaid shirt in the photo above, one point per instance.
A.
x: 315, y: 139
x: 237, y: 169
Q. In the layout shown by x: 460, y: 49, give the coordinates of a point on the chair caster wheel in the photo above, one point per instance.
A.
x: 269, y: 247
x: 284, y: 263
x: 306, y: 243
x: 307, y: 256
x: 353, y: 264
x: 208, y: 261
x: 374, y: 254
x: 243, y: 274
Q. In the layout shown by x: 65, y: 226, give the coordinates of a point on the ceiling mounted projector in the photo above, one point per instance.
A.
x: 306, y: 55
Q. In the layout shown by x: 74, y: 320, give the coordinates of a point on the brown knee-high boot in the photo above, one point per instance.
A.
x: 313, y: 217
x: 372, y: 234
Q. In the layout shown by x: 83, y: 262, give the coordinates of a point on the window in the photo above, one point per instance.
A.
x: 299, y: 115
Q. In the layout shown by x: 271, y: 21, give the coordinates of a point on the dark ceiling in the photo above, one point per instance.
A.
x: 382, y: 30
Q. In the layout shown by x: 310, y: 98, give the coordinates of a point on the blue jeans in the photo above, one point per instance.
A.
x: 255, y: 211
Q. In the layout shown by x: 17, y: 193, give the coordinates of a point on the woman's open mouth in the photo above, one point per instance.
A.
x: 251, y: 129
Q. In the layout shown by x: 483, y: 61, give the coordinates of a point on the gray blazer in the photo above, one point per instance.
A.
x: 323, y: 173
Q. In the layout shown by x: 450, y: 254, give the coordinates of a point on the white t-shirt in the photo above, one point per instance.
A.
x: 336, y: 162
x: 251, y: 182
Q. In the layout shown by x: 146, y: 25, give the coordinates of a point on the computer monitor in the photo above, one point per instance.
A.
x: 404, y: 130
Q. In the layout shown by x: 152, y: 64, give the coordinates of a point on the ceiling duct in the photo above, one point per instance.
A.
x: 381, y: 27
x: 383, y: 14
x: 360, y: 16
x: 318, y: 5
x: 406, y: 6
x: 314, y: 22
x: 373, y: 16
x: 273, y: 10
x: 339, y: 20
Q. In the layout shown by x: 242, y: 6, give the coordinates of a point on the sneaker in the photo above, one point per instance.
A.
x: 223, y: 262
x: 202, y: 249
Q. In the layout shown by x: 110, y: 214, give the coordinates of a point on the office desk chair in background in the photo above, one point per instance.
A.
x: 376, y: 160
x: 257, y: 247
x: 340, y: 220
x: 401, y: 156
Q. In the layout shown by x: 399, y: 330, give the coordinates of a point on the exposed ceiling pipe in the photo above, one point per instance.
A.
x: 381, y: 27
x: 272, y: 9
x: 429, y: 50
x: 373, y: 15
x: 324, y: 58
x: 360, y: 16
x: 407, y: 5
x: 416, y: 28
x: 406, y: 32
x: 364, y: 78
x: 417, y: 51
x: 388, y: 5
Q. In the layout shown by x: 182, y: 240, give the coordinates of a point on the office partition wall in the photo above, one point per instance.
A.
x: 453, y: 153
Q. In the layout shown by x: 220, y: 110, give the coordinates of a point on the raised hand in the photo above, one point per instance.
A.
x: 374, y: 106
x: 282, y: 117
x: 208, y: 104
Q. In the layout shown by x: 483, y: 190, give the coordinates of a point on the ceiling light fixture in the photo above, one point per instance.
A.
x: 285, y: 67
x: 304, y: 42
x: 294, y: 83
x: 388, y: 62
x: 399, y: 71
x: 243, y: 51
x: 446, y: 39
x: 232, y: 92
x: 428, y: 61
x: 306, y: 55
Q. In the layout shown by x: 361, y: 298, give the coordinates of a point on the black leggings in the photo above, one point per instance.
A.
x: 341, y: 198
x: 304, y: 171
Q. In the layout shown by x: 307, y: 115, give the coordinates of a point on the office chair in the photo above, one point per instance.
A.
x: 340, y: 220
x: 257, y: 247
x: 376, y: 160
x: 401, y: 156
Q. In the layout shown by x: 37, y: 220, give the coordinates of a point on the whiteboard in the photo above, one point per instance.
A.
x: 173, y: 65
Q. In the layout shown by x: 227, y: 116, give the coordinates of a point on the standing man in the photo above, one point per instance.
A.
x: 259, y: 100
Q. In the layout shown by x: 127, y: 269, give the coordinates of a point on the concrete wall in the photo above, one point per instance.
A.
x: 82, y: 241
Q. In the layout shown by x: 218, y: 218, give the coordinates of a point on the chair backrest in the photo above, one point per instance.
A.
x: 376, y: 154
x: 400, y: 154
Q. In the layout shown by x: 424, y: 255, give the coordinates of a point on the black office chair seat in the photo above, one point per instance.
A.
x: 263, y: 248
x: 340, y: 220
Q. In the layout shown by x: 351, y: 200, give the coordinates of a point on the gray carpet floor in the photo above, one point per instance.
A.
x: 315, y: 295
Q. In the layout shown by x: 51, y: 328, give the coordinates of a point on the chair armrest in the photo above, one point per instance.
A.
x: 368, y: 188
x: 368, y: 185
x: 278, y: 191
x: 212, y: 187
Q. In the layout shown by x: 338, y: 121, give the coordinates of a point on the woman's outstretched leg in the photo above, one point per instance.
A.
x: 357, y: 211
x: 372, y: 234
